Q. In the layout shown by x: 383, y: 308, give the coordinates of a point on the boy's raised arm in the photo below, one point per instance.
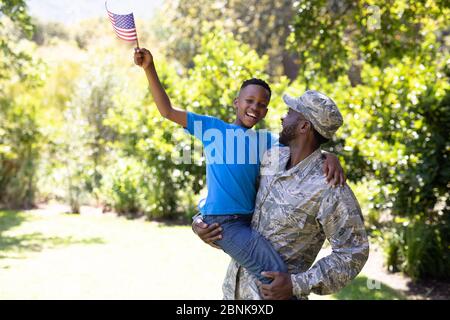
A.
x: 144, y: 59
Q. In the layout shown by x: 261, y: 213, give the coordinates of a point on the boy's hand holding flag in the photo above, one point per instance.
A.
x: 142, y: 57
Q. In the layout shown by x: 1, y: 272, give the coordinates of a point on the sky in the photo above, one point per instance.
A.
x: 72, y: 11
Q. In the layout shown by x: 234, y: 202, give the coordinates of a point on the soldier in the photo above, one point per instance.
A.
x: 296, y: 210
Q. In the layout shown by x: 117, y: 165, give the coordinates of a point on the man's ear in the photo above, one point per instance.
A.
x: 304, y: 127
x: 235, y: 101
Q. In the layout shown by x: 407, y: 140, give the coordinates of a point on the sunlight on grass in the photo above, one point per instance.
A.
x: 16, y: 243
x: 63, y: 256
x: 362, y: 288
x: 10, y: 219
x: 105, y: 257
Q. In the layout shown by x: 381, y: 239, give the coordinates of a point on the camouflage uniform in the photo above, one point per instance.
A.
x: 296, y: 210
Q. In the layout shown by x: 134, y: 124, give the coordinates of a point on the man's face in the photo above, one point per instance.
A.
x: 251, y: 105
x: 289, y: 123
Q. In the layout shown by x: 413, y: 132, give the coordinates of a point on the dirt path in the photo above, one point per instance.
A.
x: 430, y: 290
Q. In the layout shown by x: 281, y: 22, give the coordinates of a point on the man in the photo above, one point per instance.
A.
x: 296, y: 210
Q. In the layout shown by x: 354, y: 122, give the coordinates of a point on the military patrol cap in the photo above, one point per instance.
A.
x: 319, y: 109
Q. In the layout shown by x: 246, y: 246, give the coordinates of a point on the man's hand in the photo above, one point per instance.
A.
x: 208, y: 234
x: 142, y: 57
x: 333, y: 170
x: 279, y: 289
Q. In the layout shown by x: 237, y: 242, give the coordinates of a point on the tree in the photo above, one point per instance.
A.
x: 14, y: 23
x: 84, y: 143
x: 20, y: 75
x: 333, y: 37
x: 263, y: 25
x: 386, y: 67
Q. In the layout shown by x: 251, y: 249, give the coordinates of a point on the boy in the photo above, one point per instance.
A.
x: 231, y: 169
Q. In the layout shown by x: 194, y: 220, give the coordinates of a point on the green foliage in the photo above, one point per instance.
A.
x: 219, y: 70
x: 14, y: 23
x: 19, y: 147
x: 20, y: 137
x: 141, y: 138
x: 338, y: 37
x: 426, y: 253
x: 124, y: 186
x: 16, y: 11
x: 419, y: 248
x: 389, y: 76
x: 185, y: 23
x: 85, y: 138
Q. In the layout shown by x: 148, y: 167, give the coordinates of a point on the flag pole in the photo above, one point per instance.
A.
x: 137, y: 40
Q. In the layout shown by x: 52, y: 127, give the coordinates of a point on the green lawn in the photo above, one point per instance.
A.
x: 60, y: 256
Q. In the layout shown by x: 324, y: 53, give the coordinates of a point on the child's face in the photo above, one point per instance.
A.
x: 251, y: 105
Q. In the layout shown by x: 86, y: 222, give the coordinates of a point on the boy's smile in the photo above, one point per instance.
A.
x: 251, y: 105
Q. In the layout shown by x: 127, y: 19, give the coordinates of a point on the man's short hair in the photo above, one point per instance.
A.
x: 257, y: 82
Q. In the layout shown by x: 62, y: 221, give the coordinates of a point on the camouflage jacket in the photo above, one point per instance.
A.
x: 296, y: 210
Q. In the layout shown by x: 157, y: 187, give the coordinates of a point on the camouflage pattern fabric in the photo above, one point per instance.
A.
x: 296, y: 210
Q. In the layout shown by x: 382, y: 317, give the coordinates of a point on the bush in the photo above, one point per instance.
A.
x: 134, y: 189
x: 420, y: 249
x: 20, y: 142
x: 122, y: 186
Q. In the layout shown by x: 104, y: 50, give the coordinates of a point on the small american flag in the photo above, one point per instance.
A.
x: 123, y: 25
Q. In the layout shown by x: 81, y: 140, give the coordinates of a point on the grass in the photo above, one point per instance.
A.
x: 60, y: 256
x: 361, y: 288
x: 10, y: 219
x: 17, y: 243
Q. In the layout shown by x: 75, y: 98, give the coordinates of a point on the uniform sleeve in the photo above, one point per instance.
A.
x: 197, y: 124
x: 342, y: 222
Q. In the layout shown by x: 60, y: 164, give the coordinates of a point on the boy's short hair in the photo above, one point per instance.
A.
x: 257, y: 82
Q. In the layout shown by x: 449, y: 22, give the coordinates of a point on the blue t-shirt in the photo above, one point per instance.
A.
x: 233, y: 156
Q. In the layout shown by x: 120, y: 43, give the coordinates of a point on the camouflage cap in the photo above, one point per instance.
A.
x: 319, y: 109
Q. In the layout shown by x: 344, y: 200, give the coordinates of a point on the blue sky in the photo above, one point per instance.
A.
x: 72, y: 11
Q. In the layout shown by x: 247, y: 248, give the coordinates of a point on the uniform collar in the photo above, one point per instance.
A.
x: 299, y: 167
